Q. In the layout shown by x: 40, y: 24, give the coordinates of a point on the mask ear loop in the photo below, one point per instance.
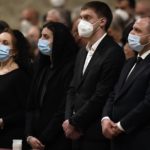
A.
x: 98, y: 27
x: 145, y: 35
x: 146, y: 43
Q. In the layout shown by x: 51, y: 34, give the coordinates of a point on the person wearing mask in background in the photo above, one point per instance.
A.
x: 29, y: 18
x: 96, y: 71
x: 45, y: 111
x: 3, y: 25
x: 14, y: 85
x: 142, y: 8
x: 127, y: 6
x: 126, y: 114
x: 60, y: 5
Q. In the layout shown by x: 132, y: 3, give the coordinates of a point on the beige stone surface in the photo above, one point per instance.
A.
x: 10, y: 9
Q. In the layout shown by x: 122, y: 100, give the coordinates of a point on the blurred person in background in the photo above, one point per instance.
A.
x: 142, y: 8
x: 128, y: 51
x: 60, y: 4
x: 33, y: 37
x: 58, y: 15
x: 3, y: 25
x: 126, y: 6
x: 14, y: 86
x: 48, y: 93
x: 116, y: 29
x: 29, y: 17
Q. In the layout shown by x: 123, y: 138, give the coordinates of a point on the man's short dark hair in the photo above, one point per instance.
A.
x: 101, y: 9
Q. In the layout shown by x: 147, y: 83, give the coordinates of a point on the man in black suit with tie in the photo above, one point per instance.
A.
x: 126, y: 115
x: 97, y: 69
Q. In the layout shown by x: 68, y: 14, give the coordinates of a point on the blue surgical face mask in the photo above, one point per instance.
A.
x: 134, y: 42
x: 4, y: 52
x: 44, y: 47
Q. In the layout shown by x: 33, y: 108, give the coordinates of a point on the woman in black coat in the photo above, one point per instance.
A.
x: 14, y: 85
x: 47, y: 99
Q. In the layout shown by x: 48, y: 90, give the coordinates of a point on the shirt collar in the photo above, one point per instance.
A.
x: 95, y: 45
x: 144, y: 55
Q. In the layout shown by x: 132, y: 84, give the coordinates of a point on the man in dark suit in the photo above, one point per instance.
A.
x: 126, y: 115
x: 97, y: 69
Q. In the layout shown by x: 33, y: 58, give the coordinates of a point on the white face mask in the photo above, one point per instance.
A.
x: 25, y: 26
x: 57, y: 3
x: 85, y: 28
x: 122, y: 14
x: 134, y: 42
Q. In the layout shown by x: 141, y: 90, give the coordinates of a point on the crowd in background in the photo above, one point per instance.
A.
x: 38, y: 74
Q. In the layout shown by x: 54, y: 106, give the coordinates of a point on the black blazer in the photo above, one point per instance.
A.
x: 88, y: 92
x: 130, y: 102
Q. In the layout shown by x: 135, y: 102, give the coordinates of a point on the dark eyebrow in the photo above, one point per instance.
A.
x: 86, y: 16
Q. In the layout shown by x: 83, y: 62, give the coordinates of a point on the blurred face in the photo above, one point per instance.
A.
x: 122, y: 4
x: 116, y: 34
x: 47, y: 35
x: 142, y: 9
x: 53, y: 15
x: 30, y: 16
x: 128, y: 51
x: 33, y: 34
x: 6, y: 39
x: 142, y: 29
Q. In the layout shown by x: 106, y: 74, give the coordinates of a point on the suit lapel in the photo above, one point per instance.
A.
x: 81, y: 64
x: 98, y: 55
x: 125, y: 72
x: 136, y: 72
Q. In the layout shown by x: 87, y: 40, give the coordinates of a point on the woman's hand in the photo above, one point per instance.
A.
x: 35, y: 143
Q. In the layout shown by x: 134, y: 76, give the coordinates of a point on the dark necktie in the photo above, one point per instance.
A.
x: 138, y: 60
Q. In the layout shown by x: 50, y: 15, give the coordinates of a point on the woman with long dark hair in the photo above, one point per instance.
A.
x: 48, y: 93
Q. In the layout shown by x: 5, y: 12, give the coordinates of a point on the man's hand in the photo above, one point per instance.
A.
x: 35, y: 143
x: 70, y: 130
x: 117, y: 130
x: 109, y: 128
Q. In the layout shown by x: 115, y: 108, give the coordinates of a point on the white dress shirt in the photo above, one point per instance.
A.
x: 91, y: 50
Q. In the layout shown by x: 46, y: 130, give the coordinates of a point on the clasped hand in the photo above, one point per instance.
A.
x: 110, y: 129
x: 70, y: 131
x: 36, y: 144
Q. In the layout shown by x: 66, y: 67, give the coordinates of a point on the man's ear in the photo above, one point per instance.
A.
x: 103, y: 22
